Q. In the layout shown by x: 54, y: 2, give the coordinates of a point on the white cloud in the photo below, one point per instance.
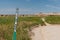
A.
x: 28, y: 0
x: 23, y: 9
x: 51, y: 6
x: 54, y: 0
x: 13, y: 10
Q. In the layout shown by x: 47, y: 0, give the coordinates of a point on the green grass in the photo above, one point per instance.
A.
x: 7, y: 20
x: 24, y: 25
x: 53, y: 19
x: 33, y: 20
x: 6, y: 27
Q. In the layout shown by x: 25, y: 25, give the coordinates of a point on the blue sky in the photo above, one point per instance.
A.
x: 29, y: 6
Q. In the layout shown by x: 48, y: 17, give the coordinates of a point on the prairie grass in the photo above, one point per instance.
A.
x: 53, y: 19
x: 23, y: 27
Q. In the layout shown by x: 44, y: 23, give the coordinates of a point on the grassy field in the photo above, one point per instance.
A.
x: 6, y: 27
x: 53, y: 19
x: 24, y: 25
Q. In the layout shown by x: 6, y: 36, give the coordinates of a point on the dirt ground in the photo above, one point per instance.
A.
x: 48, y: 32
x: 51, y: 32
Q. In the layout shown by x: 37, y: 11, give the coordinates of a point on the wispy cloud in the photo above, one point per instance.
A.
x: 23, y: 9
x: 51, y: 6
x: 54, y: 0
x: 28, y: 0
x: 13, y: 10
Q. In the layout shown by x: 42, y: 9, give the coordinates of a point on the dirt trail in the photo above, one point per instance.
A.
x: 45, y: 21
x: 51, y: 32
x: 48, y: 32
x: 37, y: 34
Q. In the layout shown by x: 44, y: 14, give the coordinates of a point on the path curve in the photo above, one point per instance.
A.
x: 37, y: 34
x: 45, y: 22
